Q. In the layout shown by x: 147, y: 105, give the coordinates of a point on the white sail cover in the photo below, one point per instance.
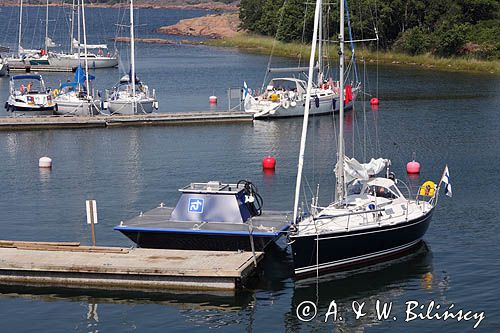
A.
x: 90, y: 46
x: 50, y: 43
x: 355, y: 170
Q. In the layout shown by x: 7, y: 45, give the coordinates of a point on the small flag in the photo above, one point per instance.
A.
x: 446, y: 180
x: 246, y: 95
x: 245, y: 90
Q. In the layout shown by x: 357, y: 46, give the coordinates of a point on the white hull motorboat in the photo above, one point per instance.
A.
x: 28, y: 96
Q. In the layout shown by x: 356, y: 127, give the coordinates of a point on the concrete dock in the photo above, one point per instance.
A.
x: 163, y: 119
x: 73, y: 265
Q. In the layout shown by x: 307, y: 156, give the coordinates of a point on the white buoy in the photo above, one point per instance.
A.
x: 45, y: 162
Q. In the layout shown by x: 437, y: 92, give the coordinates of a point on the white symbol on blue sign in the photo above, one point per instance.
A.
x: 195, y: 206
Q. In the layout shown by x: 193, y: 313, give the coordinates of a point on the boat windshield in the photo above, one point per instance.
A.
x: 286, y: 85
x: 27, y: 86
x: 381, y: 191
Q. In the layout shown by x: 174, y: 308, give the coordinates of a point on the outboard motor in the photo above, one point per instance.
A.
x: 253, y: 200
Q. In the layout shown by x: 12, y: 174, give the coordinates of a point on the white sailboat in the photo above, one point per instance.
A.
x: 286, y: 96
x: 76, y: 98
x: 132, y: 96
x: 60, y: 60
x: 370, y: 219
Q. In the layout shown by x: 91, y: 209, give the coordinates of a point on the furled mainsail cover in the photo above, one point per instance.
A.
x: 355, y: 170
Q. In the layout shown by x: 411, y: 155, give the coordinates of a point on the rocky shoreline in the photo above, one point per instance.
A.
x: 211, y: 26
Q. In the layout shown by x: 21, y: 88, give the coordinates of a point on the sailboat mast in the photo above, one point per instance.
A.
x: 306, y: 112
x: 20, y: 29
x: 79, y: 30
x: 340, y: 193
x: 132, y: 52
x: 85, y: 50
x: 47, y: 28
x: 72, y: 30
x: 320, y: 48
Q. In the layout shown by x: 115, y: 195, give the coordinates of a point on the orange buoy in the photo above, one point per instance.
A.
x: 212, y: 99
x: 268, y: 163
x: 413, y: 167
x: 374, y: 101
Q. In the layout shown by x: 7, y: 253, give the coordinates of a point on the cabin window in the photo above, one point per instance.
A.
x: 381, y: 191
x: 284, y: 85
x: 354, y: 188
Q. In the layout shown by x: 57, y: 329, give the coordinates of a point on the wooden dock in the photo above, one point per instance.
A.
x: 73, y: 265
x: 38, y: 68
x: 163, y: 119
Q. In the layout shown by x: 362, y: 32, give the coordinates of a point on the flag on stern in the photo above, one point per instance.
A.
x: 245, y: 90
x: 446, y: 180
x: 246, y: 94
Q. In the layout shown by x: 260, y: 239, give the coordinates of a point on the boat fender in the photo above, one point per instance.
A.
x: 316, y: 101
x: 56, y: 107
x: 293, y: 103
x: 427, y: 189
x: 6, y: 106
x: 371, y: 206
x: 286, y: 103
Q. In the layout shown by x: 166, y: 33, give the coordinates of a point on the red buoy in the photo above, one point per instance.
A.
x: 212, y: 99
x: 374, y: 101
x: 413, y: 167
x: 268, y: 163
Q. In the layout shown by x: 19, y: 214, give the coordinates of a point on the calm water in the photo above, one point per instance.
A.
x: 444, y: 117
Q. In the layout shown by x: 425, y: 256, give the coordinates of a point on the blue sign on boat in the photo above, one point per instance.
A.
x: 195, y: 205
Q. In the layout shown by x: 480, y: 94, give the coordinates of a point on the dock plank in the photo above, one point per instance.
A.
x: 125, y: 268
x: 104, y: 121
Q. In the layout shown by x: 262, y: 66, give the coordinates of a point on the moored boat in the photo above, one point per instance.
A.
x: 28, y: 96
x: 132, y: 96
x: 286, y: 97
x: 370, y: 219
x: 209, y: 216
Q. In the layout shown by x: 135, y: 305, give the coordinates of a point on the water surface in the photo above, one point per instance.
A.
x: 443, y: 117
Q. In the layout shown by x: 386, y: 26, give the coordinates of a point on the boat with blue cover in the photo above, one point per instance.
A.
x: 209, y: 216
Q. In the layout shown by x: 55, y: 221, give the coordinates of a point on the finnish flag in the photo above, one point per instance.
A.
x: 246, y: 94
x: 245, y: 90
x: 446, y: 180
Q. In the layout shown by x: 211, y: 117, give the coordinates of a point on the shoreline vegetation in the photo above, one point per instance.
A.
x: 264, y: 45
x: 223, y: 31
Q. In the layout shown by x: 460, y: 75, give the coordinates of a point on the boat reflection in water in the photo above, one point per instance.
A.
x: 385, y: 282
x: 212, y: 309
x: 239, y: 310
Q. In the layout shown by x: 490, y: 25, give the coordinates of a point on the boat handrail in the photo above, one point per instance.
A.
x: 324, y: 217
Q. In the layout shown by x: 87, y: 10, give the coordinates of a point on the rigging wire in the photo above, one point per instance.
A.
x: 274, y: 43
